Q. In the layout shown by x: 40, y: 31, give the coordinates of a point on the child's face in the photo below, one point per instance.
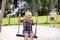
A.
x: 28, y: 16
x: 52, y: 11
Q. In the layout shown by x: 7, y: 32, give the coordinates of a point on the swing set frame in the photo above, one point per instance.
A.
x: 2, y: 12
x: 21, y: 35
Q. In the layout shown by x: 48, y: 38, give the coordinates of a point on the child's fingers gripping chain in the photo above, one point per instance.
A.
x: 18, y: 21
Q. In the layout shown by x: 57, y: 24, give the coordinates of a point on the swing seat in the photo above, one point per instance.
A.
x: 24, y: 36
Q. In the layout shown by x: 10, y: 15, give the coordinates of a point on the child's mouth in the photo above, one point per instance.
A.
x: 28, y: 17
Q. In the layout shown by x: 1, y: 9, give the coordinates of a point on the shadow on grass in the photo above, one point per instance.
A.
x: 38, y: 24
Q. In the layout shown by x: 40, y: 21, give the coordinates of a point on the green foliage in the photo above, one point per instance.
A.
x: 7, y: 5
x: 44, y: 6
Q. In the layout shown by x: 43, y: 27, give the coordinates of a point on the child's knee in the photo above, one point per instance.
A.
x: 31, y: 35
x: 26, y: 35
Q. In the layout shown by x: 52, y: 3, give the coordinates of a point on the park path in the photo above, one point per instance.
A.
x: 43, y: 33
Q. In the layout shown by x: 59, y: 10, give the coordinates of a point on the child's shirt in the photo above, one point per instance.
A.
x: 52, y: 14
x: 27, y: 25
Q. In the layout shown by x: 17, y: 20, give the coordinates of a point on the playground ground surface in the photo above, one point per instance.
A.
x: 43, y: 33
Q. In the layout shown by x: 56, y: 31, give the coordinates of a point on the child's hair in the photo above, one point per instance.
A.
x: 53, y: 10
x: 28, y: 13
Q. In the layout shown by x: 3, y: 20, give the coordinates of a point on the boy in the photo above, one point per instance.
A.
x: 52, y: 17
x: 27, y: 26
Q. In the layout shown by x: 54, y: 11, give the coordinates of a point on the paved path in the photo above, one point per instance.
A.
x: 43, y: 33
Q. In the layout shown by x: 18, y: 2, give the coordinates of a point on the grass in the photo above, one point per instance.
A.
x: 58, y: 25
x: 41, y: 20
x: 48, y: 25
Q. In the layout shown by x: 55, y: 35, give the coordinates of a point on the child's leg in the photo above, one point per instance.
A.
x: 31, y: 36
x: 53, y: 23
x: 50, y: 22
x: 26, y: 36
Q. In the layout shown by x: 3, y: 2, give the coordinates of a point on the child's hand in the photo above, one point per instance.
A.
x: 19, y: 21
x: 36, y: 21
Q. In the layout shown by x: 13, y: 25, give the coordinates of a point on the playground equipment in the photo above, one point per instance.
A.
x: 2, y: 12
x: 35, y: 28
x: 29, y: 35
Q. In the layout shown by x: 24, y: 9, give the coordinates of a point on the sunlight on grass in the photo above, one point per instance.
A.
x: 41, y: 19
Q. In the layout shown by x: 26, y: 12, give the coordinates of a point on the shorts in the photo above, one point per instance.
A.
x: 27, y: 31
x: 51, y: 18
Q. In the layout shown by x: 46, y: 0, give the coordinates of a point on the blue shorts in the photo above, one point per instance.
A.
x: 27, y: 31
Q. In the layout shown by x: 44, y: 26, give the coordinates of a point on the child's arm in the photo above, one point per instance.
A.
x: 19, y: 18
x: 36, y: 22
x: 33, y: 23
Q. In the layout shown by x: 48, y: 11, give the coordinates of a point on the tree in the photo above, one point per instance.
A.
x: 2, y: 12
x: 33, y: 6
x: 7, y: 5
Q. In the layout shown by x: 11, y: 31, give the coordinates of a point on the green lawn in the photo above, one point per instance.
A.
x: 41, y: 20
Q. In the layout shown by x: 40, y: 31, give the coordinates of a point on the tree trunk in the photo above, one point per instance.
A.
x: 2, y: 12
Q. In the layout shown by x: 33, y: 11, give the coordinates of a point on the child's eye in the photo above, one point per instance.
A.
x: 26, y: 14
